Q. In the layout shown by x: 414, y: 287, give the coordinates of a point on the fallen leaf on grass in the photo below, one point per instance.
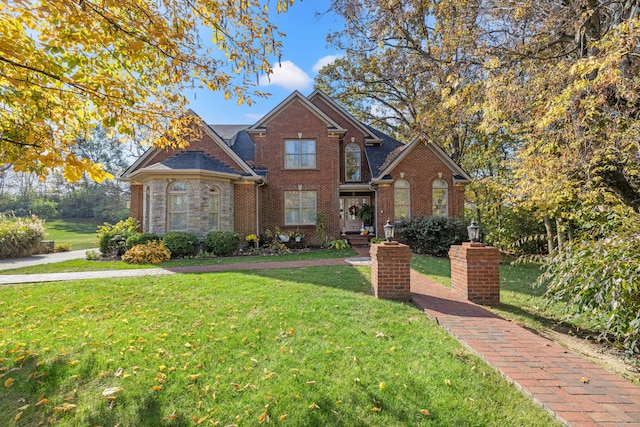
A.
x: 376, y: 409
x: 42, y: 401
x: 66, y: 407
x: 17, y: 417
x: 425, y: 412
x: 110, y: 393
x: 8, y: 382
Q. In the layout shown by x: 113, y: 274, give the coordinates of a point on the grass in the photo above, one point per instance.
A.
x: 80, y: 234
x: 80, y: 265
x: 306, y: 346
x: 520, y: 300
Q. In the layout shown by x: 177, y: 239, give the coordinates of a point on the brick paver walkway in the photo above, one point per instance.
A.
x: 574, y: 389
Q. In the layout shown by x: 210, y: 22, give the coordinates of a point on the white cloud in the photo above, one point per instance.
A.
x: 287, y: 75
x: 325, y: 60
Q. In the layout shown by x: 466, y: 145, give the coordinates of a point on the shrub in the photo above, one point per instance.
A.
x: 338, y: 244
x: 92, y: 256
x: 221, y: 242
x: 140, y: 238
x: 181, y: 243
x: 153, y: 252
x: 62, y: 247
x: 598, y: 278
x: 112, y: 238
x: 431, y: 235
x: 20, y: 236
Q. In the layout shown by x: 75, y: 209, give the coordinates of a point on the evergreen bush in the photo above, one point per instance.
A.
x: 181, y: 243
x: 221, y: 243
x: 431, y: 235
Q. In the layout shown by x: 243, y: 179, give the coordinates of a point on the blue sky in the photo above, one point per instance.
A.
x: 304, y: 51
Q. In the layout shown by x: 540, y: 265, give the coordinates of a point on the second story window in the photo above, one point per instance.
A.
x: 352, y: 162
x: 299, y: 154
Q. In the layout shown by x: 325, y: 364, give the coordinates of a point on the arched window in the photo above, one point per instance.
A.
x: 440, y: 197
x: 177, y: 207
x: 352, y: 162
x: 401, y: 198
x: 214, y: 209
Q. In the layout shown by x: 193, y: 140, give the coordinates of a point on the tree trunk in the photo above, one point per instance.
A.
x: 560, y: 230
x: 549, y: 227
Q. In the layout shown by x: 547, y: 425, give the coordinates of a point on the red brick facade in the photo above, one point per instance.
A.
x: 390, y: 271
x: 293, y: 122
x: 256, y: 186
x: 475, y: 272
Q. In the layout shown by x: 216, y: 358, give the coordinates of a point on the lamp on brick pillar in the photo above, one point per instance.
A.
x: 474, y: 232
x: 389, y: 230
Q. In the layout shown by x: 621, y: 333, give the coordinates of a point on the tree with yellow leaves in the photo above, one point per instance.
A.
x: 67, y: 66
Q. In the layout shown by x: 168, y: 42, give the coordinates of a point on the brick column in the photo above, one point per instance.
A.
x: 475, y: 271
x: 390, y: 271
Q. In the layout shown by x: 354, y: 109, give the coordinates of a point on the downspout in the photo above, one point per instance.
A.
x: 263, y: 183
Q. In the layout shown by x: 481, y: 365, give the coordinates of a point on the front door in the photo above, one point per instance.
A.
x: 348, y: 207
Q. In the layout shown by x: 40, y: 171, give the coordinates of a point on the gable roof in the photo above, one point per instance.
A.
x: 297, y: 96
x: 383, y: 152
x: 226, y: 131
x: 192, y: 160
x: 366, y: 130
x: 396, y: 156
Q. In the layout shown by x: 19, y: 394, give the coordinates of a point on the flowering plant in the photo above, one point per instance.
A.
x: 251, y: 238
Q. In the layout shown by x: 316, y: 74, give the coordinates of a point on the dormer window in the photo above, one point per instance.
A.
x: 299, y: 154
x: 352, y: 163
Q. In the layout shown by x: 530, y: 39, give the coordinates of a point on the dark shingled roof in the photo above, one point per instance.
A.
x: 228, y: 132
x: 195, y: 160
x: 244, y: 146
x: 380, y: 156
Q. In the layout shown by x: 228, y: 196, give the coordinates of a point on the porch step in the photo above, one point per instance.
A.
x: 357, y: 240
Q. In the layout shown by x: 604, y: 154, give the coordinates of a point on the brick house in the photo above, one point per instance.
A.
x: 307, y: 156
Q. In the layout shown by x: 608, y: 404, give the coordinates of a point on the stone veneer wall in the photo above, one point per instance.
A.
x: 198, y: 193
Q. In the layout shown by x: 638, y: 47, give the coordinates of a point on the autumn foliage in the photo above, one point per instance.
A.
x: 67, y: 66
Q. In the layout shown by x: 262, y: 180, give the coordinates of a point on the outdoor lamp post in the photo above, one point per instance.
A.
x: 388, y: 230
x: 474, y: 232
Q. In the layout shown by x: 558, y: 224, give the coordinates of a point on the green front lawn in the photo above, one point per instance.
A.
x: 80, y: 234
x: 84, y: 265
x: 303, y: 346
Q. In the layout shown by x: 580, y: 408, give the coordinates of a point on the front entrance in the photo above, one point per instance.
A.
x: 348, y: 206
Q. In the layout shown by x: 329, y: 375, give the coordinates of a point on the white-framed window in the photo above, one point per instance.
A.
x: 300, y: 207
x: 147, y: 209
x: 352, y: 162
x: 214, y: 209
x: 401, y: 199
x: 440, y: 197
x: 299, y: 154
x: 177, y: 207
